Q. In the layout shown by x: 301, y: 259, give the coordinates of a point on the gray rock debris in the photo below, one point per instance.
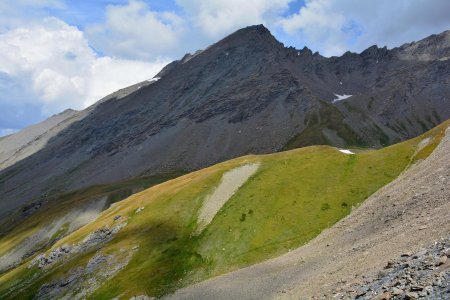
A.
x: 425, y: 274
x: 142, y: 297
x: 50, y: 290
x: 99, y: 236
x: 82, y: 281
x: 95, y: 261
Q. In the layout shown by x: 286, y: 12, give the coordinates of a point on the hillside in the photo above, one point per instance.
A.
x: 394, y: 246
x: 246, y: 94
x: 219, y: 219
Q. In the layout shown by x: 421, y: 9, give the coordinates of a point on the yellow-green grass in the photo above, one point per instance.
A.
x: 292, y: 197
x: 14, y: 229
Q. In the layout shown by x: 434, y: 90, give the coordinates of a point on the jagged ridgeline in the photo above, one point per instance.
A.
x: 246, y: 94
x: 199, y: 225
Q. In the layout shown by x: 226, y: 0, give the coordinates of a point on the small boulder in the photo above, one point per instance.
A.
x: 420, y: 254
x: 442, y: 260
x: 396, y: 291
x: 411, y: 296
x: 383, y: 296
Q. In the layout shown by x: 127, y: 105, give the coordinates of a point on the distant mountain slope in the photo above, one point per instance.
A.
x: 30, y: 140
x: 203, y: 224
x: 245, y: 94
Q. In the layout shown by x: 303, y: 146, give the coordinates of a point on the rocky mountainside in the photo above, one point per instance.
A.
x: 245, y: 94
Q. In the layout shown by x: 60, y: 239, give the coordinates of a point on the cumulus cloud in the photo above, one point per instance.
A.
x: 13, y: 13
x: 135, y: 31
x: 7, y: 131
x: 216, y: 17
x: 332, y: 26
x: 58, y: 68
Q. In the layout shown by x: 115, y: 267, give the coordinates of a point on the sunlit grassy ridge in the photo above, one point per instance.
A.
x: 292, y: 197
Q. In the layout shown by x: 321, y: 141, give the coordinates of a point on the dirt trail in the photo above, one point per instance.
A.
x: 230, y: 183
x: 406, y: 215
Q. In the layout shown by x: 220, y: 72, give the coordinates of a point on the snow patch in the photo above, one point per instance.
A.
x: 341, y: 97
x: 228, y: 186
x: 154, y: 79
x: 346, y: 151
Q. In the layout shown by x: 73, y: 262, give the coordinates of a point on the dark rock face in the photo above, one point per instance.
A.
x: 245, y: 94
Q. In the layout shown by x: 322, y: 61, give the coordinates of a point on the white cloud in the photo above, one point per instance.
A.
x: 110, y: 74
x: 135, y: 31
x: 15, y: 12
x: 334, y: 26
x: 55, y: 60
x: 320, y: 24
x: 7, y: 131
x: 216, y: 17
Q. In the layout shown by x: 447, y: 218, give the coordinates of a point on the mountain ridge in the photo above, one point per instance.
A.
x: 244, y: 94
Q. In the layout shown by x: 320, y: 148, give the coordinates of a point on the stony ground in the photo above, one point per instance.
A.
x: 424, y: 274
x: 406, y: 216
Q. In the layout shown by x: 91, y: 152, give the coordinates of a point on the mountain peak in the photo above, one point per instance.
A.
x: 251, y: 35
x: 260, y: 29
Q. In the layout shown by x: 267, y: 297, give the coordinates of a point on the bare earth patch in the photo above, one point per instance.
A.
x: 230, y: 183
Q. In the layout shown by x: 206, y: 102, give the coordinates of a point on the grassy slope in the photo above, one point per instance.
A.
x: 61, y: 205
x: 292, y: 198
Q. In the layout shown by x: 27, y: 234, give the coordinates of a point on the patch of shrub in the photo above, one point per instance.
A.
x: 242, y: 219
x: 325, y: 206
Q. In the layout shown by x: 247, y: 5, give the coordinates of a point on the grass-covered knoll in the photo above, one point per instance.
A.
x: 290, y: 199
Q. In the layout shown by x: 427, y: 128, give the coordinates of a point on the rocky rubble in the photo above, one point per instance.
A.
x: 81, y: 281
x: 99, y: 236
x: 423, y: 275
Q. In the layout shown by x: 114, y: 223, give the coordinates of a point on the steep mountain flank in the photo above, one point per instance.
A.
x: 245, y: 94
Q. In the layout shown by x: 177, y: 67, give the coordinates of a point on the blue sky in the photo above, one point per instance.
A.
x: 59, y: 54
